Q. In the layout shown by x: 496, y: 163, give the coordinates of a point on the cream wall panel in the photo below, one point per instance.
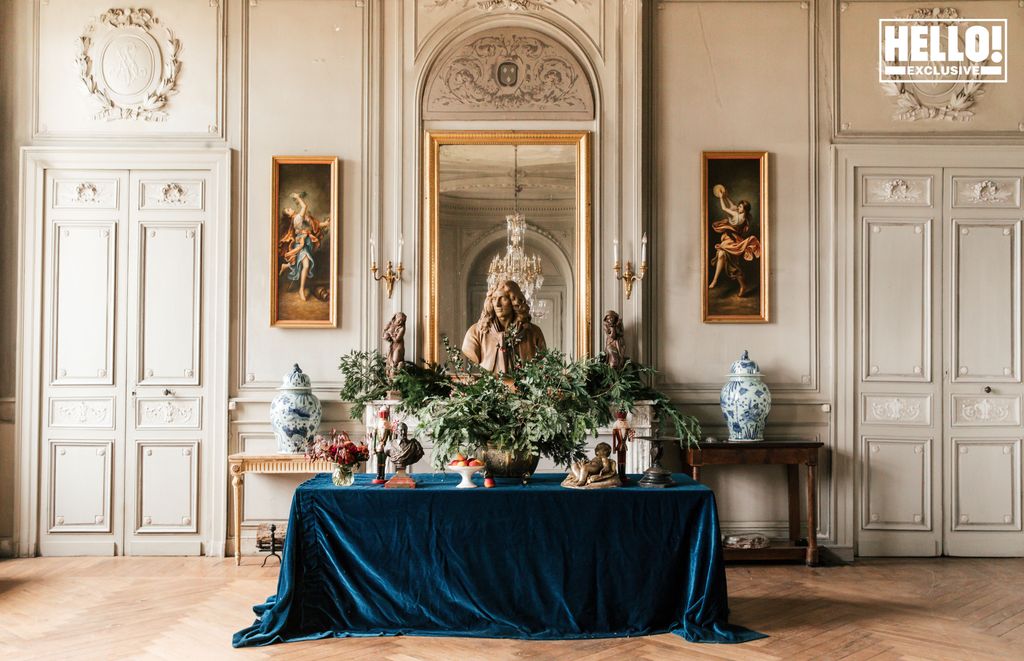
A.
x: 82, y: 412
x: 897, y: 484
x: 710, y: 94
x: 863, y: 107
x: 302, y: 100
x: 897, y: 319
x: 168, y: 489
x: 986, y: 411
x: 986, y: 192
x: 986, y: 484
x: 986, y: 300
x: 83, y: 302
x: 80, y: 486
x: 65, y: 109
x: 890, y: 409
x: 170, y: 273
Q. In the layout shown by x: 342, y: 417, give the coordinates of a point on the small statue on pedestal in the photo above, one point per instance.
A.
x: 596, y: 473
x: 621, y: 434
x: 381, y: 438
x: 394, y: 335
x: 404, y: 452
x: 614, y: 340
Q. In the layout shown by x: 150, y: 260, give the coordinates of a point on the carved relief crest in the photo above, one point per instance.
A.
x: 508, y: 70
x: 128, y: 63
x: 951, y: 101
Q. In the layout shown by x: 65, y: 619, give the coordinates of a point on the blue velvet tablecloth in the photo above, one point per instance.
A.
x: 539, y: 562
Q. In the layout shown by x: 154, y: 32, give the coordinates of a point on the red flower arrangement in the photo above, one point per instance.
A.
x: 338, y: 448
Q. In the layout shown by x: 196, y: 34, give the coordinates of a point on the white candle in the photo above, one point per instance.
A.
x: 615, y: 251
x: 643, y: 249
x: 401, y: 245
x: 373, y: 251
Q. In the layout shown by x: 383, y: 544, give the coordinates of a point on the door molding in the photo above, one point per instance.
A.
x: 846, y: 158
x: 35, y: 161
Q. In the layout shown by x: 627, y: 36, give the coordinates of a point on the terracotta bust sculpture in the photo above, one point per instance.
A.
x: 596, y: 473
x: 504, y: 334
x: 614, y: 341
x: 394, y: 334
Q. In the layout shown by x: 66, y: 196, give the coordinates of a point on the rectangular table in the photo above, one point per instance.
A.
x: 539, y: 561
x: 790, y: 453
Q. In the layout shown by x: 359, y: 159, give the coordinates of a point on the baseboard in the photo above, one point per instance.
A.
x: 6, y: 547
x: 78, y: 548
x: 165, y: 547
x: 216, y: 549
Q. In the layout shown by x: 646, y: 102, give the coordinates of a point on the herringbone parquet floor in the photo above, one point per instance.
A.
x: 187, y: 608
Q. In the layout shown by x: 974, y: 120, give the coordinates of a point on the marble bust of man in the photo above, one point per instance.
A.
x: 505, y: 309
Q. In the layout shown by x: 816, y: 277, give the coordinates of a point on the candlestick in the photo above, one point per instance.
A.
x: 615, y: 251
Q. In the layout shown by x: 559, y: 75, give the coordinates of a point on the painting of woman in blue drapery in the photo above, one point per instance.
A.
x: 300, y: 244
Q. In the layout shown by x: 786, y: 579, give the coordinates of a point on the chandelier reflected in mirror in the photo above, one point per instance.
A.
x: 515, y: 264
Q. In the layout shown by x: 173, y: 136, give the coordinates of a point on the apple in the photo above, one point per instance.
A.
x: 459, y: 457
x: 475, y: 462
x: 488, y: 482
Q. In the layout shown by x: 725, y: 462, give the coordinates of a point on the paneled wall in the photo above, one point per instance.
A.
x: 344, y: 78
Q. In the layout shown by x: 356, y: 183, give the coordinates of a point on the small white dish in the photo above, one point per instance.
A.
x: 467, y: 473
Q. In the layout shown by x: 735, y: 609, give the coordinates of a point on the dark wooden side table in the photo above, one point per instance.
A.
x: 790, y: 453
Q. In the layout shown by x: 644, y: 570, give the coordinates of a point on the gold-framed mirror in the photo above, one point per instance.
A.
x: 506, y: 205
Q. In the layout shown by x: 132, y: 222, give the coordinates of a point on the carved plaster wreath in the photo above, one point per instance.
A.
x: 910, y: 106
x: 131, y: 41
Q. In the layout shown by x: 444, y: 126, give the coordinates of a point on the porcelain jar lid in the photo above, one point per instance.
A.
x: 297, y: 380
x: 744, y: 366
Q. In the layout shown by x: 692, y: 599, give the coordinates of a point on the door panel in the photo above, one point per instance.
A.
x: 170, y: 274
x: 168, y: 491
x: 84, y: 262
x: 900, y: 416
x: 985, y: 295
x: 80, y: 486
x: 897, y: 345
x: 983, y: 378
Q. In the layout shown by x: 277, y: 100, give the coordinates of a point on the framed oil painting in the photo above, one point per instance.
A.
x: 734, y: 237
x: 304, y: 238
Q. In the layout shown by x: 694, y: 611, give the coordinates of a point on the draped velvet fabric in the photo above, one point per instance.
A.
x: 538, y: 562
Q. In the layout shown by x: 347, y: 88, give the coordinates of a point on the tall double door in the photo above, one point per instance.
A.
x: 939, y: 361
x: 123, y: 428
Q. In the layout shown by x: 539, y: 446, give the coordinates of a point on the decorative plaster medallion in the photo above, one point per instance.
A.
x: 941, y: 100
x: 86, y: 193
x: 988, y: 192
x: 128, y: 62
x: 984, y: 410
x: 895, y: 409
x: 509, y: 70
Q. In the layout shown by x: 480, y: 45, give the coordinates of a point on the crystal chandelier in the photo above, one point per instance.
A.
x: 515, y: 264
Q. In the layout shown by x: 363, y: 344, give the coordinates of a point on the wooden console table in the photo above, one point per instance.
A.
x: 242, y: 463
x: 790, y: 453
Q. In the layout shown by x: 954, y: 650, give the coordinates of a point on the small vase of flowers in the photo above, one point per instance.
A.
x: 339, y: 449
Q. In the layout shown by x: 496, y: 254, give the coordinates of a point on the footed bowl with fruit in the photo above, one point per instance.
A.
x: 466, y: 468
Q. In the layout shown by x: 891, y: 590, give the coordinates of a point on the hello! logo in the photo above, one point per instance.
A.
x: 942, y: 49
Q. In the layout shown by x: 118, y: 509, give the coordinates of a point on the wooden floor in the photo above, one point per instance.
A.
x: 187, y: 608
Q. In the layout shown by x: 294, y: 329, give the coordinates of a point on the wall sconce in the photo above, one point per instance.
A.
x: 391, y: 274
x: 627, y: 275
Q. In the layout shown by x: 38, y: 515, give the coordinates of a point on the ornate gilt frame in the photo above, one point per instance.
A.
x: 432, y: 143
x: 764, y: 315
x: 332, y: 321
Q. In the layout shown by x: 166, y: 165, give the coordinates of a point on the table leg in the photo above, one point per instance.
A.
x: 236, y: 508
x: 695, y: 473
x: 812, y: 525
x: 793, y: 476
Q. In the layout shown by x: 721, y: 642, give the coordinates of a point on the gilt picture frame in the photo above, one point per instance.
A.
x: 735, y: 230
x: 304, y: 242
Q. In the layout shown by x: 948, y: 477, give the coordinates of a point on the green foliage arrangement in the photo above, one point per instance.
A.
x: 549, y: 405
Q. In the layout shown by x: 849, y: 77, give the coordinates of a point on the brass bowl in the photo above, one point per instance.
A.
x: 502, y: 463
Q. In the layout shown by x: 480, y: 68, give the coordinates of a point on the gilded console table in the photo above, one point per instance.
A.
x: 242, y: 463
x: 790, y: 453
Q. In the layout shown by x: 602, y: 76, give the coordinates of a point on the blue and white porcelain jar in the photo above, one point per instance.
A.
x: 295, y: 413
x: 745, y: 401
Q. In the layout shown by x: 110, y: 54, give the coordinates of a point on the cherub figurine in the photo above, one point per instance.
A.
x: 614, y: 340
x: 595, y: 473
